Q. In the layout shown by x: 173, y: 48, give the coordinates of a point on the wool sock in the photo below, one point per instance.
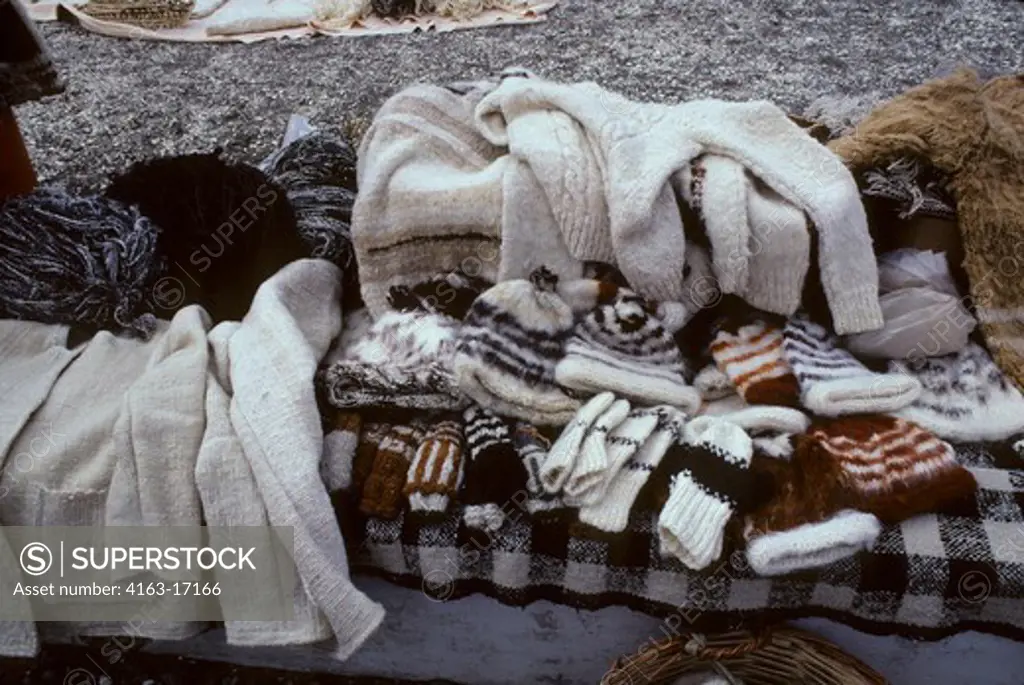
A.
x: 563, y: 454
x: 832, y: 381
x: 621, y: 443
x: 382, y: 493
x: 509, y: 344
x: 591, y: 465
x: 435, y: 474
x: 610, y: 512
x: 533, y: 448
x: 494, y: 472
x: 889, y: 467
x: 621, y: 346
x: 750, y: 354
x: 802, y: 525
x: 713, y: 483
x: 336, y: 462
x: 964, y: 398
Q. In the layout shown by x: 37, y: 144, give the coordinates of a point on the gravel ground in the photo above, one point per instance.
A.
x: 129, y: 99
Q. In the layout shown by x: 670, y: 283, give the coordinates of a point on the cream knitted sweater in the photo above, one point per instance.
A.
x: 633, y: 150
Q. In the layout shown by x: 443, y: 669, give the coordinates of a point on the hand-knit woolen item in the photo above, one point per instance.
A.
x: 912, y: 188
x: 495, y: 474
x: 430, y: 194
x: 533, y: 447
x: 370, y: 437
x: 509, y: 344
x: 750, y: 354
x: 610, y: 511
x: 562, y: 456
x: 889, y: 467
x: 591, y: 464
x: 450, y: 294
x: 832, y: 381
x: 757, y: 418
x: 318, y: 174
x: 801, y: 526
x: 971, y: 132
x: 713, y: 384
x: 224, y: 229
x: 642, y: 147
x: 713, y: 483
x: 436, y: 471
x: 620, y: 444
x: 382, y: 492
x: 621, y: 346
x: 340, y: 446
x: 89, y: 261
x: 405, y: 360
x: 965, y: 397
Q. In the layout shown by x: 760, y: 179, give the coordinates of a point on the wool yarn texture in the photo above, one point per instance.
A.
x: 87, y: 261
x: 562, y: 456
x: 495, y: 474
x: 609, y: 511
x: 533, y: 447
x: 370, y: 437
x: 971, y: 131
x: 750, y: 354
x: 621, y: 346
x: 436, y: 471
x: 713, y: 483
x: 888, y: 467
x: 801, y: 526
x: 642, y: 149
x: 405, y: 360
x: 591, y: 464
x: 621, y: 443
x: 508, y: 346
x: 832, y: 381
x: 965, y: 397
x: 382, y: 492
x: 225, y: 228
x: 340, y: 444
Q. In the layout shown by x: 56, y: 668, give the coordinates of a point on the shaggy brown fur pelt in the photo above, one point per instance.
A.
x: 972, y: 132
x: 224, y: 229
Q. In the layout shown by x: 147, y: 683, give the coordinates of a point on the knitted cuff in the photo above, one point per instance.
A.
x: 591, y: 466
x: 563, y: 454
x: 714, y: 482
x: 339, y: 452
x: 813, y: 545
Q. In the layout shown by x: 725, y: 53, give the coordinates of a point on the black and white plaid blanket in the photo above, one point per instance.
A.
x: 928, y: 577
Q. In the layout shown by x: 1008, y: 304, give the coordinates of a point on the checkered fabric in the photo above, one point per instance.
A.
x: 928, y: 577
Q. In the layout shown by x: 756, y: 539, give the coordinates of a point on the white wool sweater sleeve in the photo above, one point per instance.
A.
x: 640, y: 146
x: 273, y: 357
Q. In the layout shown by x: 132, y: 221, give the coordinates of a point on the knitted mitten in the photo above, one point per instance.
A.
x: 494, y: 473
x: 382, y: 493
x: 751, y: 356
x: 965, y: 397
x: 533, y: 448
x: 370, y: 438
x: 340, y: 445
x: 888, y: 467
x: 621, y: 443
x: 832, y: 381
x: 563, y: 454
x: 591, y: 466
x: 713, y: 483
x: 435, y: 474
x: 611, y: 511
x: 801, y: 526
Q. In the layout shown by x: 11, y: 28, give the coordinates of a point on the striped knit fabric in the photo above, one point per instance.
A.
x: 382, y: 493
x: 435, y: 474
x: 621, y: 346
x: 891, y: 468
x: 713, y: 484
x: 965, y: 397
x: 495, y: 475
x: 832, y: 381
x: 533, y: 448
x: 618, y: 496
x: 751, y: 356
x: 510, y: 341
x: 621, y: 443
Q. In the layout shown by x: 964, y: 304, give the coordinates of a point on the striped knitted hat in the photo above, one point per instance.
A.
x: 621, y: 346
x: 889, y: 467
x: 510, y: 341
x: 832, y: 381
